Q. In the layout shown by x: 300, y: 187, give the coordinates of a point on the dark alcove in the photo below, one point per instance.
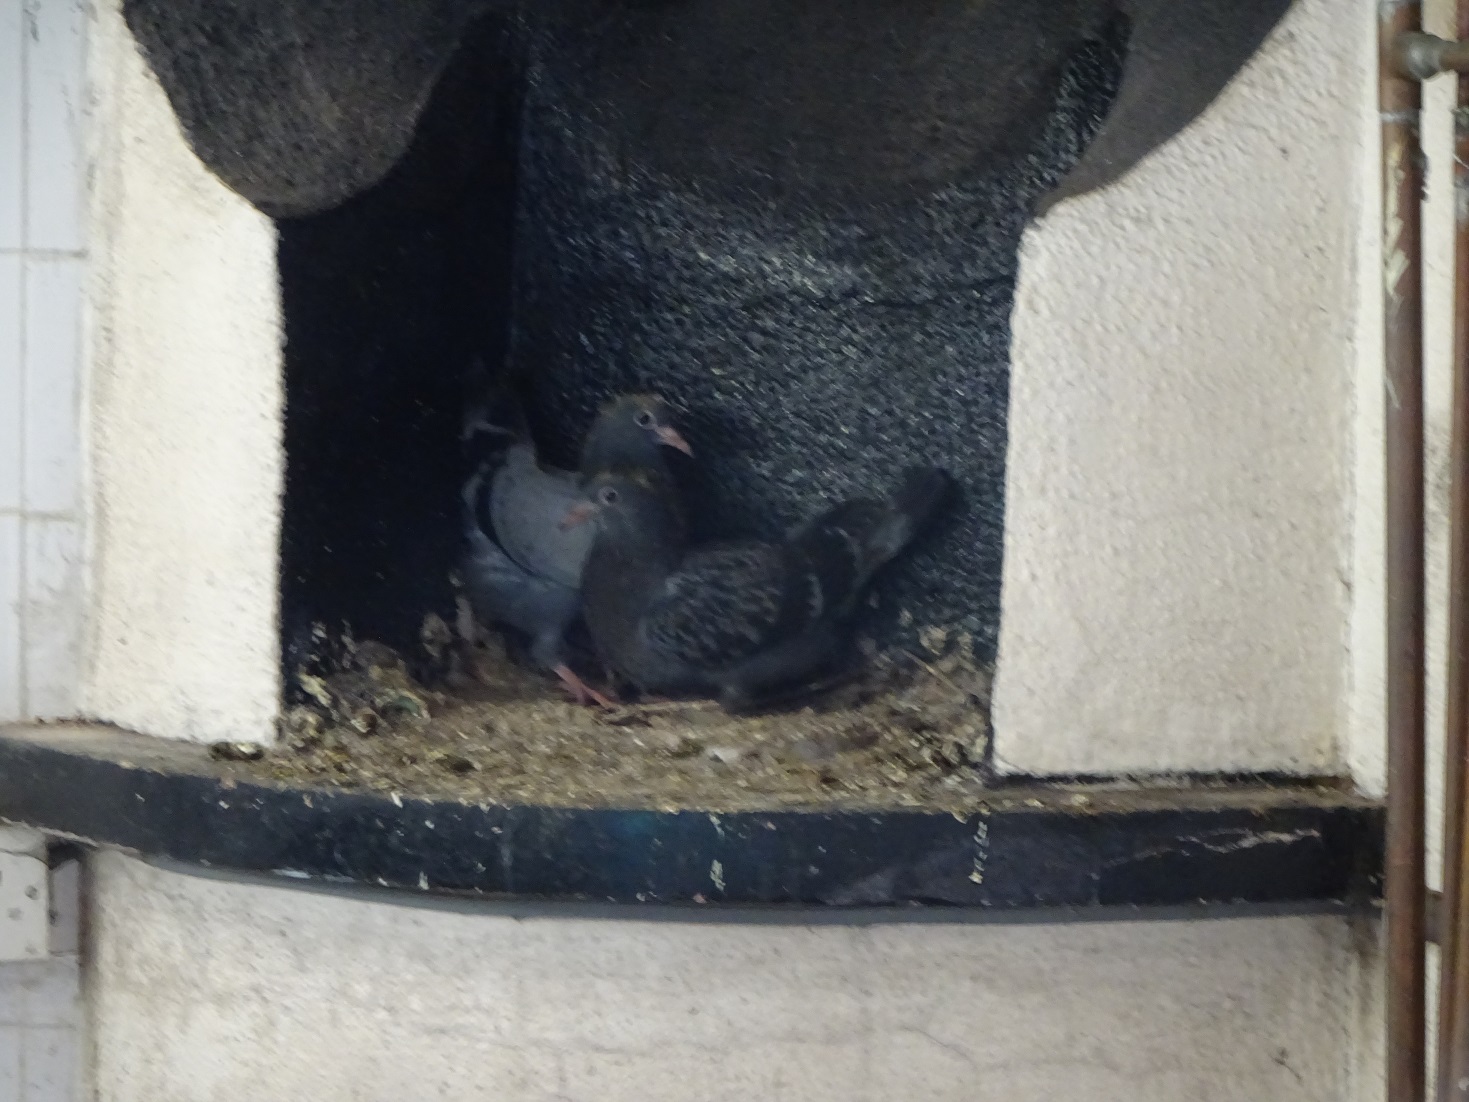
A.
x: 800, y: 223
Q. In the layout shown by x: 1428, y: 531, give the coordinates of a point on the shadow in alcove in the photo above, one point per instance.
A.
x: 800, y: 224
x: 386, y: 301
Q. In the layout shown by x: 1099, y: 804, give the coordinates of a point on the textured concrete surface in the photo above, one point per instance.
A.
x: 1178, y: 530
x: 298, y: 116
x: 183, y: 424
x: 1175, y: 584
x: 204, y: 991
x: 1180, y: 501
x: 828, y: 316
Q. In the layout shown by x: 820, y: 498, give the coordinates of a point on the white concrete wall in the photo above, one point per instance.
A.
x: 1177, y: 583
x: 185, y: 424
x: 1188, y: 585
x: 211, y: 992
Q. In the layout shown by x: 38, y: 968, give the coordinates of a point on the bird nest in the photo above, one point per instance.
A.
x: 911, y: 730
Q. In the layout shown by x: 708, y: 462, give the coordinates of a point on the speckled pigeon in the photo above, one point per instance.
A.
x: 746, y: 621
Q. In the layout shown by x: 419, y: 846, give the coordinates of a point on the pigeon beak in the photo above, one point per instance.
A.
x: 674, y: 439
x: 577, y: 514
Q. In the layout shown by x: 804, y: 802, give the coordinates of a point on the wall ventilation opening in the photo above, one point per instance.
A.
x: 800, y: 225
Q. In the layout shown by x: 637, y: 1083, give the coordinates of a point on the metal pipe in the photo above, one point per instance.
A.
x: 1400, y: 101
x: 1453, y: 1001
x: 1421, y: 56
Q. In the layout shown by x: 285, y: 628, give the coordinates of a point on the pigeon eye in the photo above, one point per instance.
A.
x: 644, y: 419
x: 607, y: 496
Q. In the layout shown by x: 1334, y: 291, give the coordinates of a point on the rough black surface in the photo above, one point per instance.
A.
x: 1033, y: 848
x: 826, y: 316
x: 825, y: 280
x: 1180, y: 57
x: 298, y: 104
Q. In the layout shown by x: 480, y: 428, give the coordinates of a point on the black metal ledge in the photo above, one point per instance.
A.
x: 1031, y: 846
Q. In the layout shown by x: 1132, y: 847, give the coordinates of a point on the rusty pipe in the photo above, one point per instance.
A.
x: 1453, y: 1002
x: 1400, y: 101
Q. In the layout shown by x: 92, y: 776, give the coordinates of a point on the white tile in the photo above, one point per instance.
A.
x: 11, y: 215
x: 49, y: 1065
x: 10, y: 1043
x: 44, y: 992
x: 52, y: 368
x: 10, y: 375
x: 10, y: 545
x: 52, y: 620
x: 53, y: 994
x: 12, y: 994
x: 55, y: 106
x: 23, y: 840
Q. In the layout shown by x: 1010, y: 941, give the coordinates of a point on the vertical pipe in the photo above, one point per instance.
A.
x: 1399, y: 99
x: 1453, y: 1002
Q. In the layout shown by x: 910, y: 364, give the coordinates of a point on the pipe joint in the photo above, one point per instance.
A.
x: 1419, y: 56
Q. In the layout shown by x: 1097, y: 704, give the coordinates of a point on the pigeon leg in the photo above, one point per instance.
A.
x: 583, y: 692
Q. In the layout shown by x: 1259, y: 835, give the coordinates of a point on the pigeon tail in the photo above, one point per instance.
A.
x: 844, y: 547
x: 909, y: 508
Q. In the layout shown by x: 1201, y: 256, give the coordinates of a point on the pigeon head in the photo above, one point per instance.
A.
x: 629, y: 432
x: 631, y: 503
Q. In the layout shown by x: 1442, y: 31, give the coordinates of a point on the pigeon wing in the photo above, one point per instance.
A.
x: 721, y: 605
x: 502, y: 592
x: 527, y: 505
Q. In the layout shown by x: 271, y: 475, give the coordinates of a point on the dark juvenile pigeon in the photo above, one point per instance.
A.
x: 523, y: 568
x: 630, y: 433
x: 744, y: 621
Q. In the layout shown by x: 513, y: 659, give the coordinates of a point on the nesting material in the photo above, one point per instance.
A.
x: 909, y: 731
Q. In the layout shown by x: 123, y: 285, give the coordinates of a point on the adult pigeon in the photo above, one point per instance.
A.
x: 629, y: 433
x: 747, y: 620
x: 501, y: 591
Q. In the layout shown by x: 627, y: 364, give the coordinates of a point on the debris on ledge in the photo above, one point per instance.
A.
x: 909, y: 732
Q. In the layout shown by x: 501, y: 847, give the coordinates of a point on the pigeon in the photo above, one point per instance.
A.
x: 528, y: 500
x: 522, y: 568
x: 743, y: 620
x: 629, y: 433
x: 501, y: 591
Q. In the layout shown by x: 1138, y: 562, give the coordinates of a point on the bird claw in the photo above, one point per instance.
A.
x: 581, y: 691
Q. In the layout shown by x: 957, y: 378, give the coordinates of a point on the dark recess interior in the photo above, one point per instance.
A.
x: 800, y: 223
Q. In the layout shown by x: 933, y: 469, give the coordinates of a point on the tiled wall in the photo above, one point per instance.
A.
x: 39, y: 1031
x: 42, y: 179
x: 42, y: 102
